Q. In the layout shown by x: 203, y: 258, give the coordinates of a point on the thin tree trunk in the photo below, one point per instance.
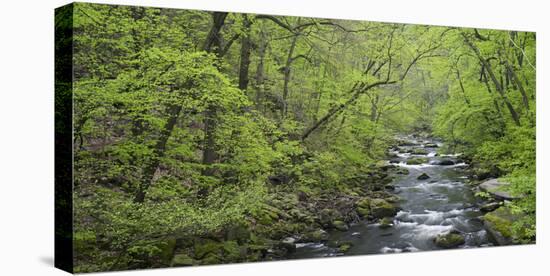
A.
x: 212, y: 43
x: 245, y: 54
x: 286, y: 71
x: 496, y: 82
x: 158, y: 153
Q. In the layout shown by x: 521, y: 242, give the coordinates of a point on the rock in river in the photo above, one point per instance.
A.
x: 289, y: 244
x: 496, y: 188
x: 444, y: 162
x: 340, y: 225
x: 381, y: 208
x: 449, y: 240
x: 489, y: 207
x: 499, y: 225
x: 423, y: 176
x: 417, y: 161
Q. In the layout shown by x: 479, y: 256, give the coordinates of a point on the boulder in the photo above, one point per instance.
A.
x: 344, y: 247
x: 289, y: 244
x: 498, y: 224
x: 489, y: 207
x: 449, y: 240
x: 496, y: 188
x: 318, y: 235
x: 340, y: 225
x: 401, y: 171
x: 405, y: 143
x: 444, y: 162
x: 327, y: 216
x: 381, y: 208
x: 364, y: 203
x: 363, y: 212
x: 395, y: 161
x: 419, y: 151
x: 423, y: 176
x: 417, y: 161
x: 431, y: 145
x: 386, y: 223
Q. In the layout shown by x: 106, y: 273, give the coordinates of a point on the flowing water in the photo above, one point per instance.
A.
x: 429, y: 207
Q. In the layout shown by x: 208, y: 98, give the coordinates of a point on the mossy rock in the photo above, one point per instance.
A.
x: 449, y: 240
x: 344, y: 247
x: 363, y: 212
x: 499, y: 224
x: 402, y: 171
x: 340, y: 225
x: 417, y: 161
x: 316, y: 236
x: 386, y: 223
x: 300, y: 216
x: 423, y: 176
x: 419, y: 151
x: 182, y: 260
x: 327, y: 216
x: 381, y: 208
x: 208, y: 247
x: 364, y: 203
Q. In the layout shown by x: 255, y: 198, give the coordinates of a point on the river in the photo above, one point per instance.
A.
x: 429, y: 207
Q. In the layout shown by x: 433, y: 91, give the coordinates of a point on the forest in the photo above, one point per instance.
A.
x: 218, y: 137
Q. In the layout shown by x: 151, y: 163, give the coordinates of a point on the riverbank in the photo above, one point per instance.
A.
x: 416, y: 199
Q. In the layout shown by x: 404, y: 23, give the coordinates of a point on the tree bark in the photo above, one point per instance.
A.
x: 498, y: 85
x: 212, y: 44
x: 245, y: 54
x: 286, y: 71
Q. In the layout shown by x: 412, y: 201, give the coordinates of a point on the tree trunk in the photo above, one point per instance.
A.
x: 158, y: 153
x: 245, y: 54
x: 260, y: 71
x: 286, y: 72
x: 496, y: 82
x: 337, y: 109
x: 212, y: 43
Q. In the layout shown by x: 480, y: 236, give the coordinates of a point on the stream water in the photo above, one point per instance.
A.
x: 429, y: 207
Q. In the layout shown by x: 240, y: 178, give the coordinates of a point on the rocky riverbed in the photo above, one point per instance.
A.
x: 416, y: 200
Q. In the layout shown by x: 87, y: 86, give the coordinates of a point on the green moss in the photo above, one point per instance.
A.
x: 386, y: 223
x: 449, y: 240
x: 182, y: 260
x: 364, y: 203
x: 499, y: 221
x: 316, y: 236
x: 345, y: 247
x: 381, y: 208
x: 419, y: 151
x: 340, y: 225
x: 417, y: 161
x: 364, y: 212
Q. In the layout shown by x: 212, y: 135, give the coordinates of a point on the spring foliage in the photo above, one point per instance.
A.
x: 182, y: 117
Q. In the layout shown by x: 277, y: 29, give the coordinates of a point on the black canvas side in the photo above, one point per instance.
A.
x: 63, y: 138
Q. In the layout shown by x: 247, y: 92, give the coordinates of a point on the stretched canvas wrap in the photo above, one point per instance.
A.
x: 188, y: 138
